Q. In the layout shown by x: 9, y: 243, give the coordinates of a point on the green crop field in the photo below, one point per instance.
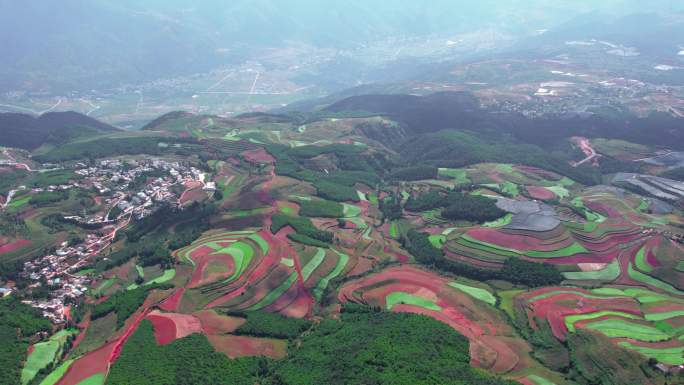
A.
x: 57, y: 374
x: 44, y: 354
x: 570, y: 320
x: 401, y: 298
x: 475, y: 292
x: 342, y: 261
x: 669, y: 356
x: 617, y: 328
x: 166, y: 277
x: 609, y: 273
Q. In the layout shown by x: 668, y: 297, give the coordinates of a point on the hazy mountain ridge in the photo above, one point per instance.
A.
x: 79, y: 43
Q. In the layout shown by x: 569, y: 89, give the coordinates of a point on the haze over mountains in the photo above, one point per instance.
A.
x: 81, y: 44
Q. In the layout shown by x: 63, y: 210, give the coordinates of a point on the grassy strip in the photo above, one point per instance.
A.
x: 647, y: 279
x: 640, y: 260
x: 321, y: 208
x: 401, y: 298
x: 350, y: 211
x: 276, y: 293
x: 617, y: 328
x: 242, y: 254
x: 665, y: 315
x: 571, y: 250
x: 539, y: 380
x: 501, y: 222
x: 560, y: 191
x: 166, y: 277
x: 394, y: 230
x: 475, y: 292
x: 141, y: 272
x: 307, y: 240
x: 578, y: 293
x: 669, y: 356
x: 57, y: 374
x: 339, y: 267
x: 570, y: 320
x: 98, y: 379
x: 458, y: 176
x: 313, y: 264
x: 609, y: 273
x: 261, y: 242
x: 507, y: 298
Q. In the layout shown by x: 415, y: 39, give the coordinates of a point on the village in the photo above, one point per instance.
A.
x: 128, y: 191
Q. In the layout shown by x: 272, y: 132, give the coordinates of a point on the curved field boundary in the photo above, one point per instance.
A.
x: 276, y: 293
x: 350, y: 211
x: 242, y: 254
x: 401, y: 298
x: 567, y: 251
x: 578, y: 293
x: 260, y: 241
x: 572, y: 319
x: 618, y: 328
x: 647, y: 279
x: 342, y: 261
x: 166, y: 277
x: 610, y: 273
x: 44, y: 354
x: 58, y: 373
x: 536, y: 380
x: 670, y: 356
x: 664, y: 315
x: 501, y: 222
x: 313, y: 264
x: 98, y: 379
x: 641, y: 295
x: 641, y: 261
x: 475, y: 292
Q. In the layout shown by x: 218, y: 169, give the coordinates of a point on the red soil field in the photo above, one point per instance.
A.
x: 603, y: 209
x: 13, y: 246
x: 164, y: 329
x: 171, y: 304
x: 241, y: 346
x: 555, y: 308
x: 169, y: 327
x: 192, y: 195
x: 258, y: 156
x: 202, y: 277
x: 89, y: 365
x: 213, y: 323
x: 278, y: 248
x: 402, y: 258
x: 538, y: 172
x: 516, y: 241
x: 540, y: 193
x: 83, y: 326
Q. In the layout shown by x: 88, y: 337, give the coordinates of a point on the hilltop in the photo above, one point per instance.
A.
x: 30, y: 132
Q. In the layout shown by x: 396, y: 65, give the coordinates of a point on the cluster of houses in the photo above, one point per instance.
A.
x: 113, y: 179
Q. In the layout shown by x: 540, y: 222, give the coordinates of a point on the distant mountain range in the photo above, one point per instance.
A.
x: 84, y: 44
x: 30, y: 132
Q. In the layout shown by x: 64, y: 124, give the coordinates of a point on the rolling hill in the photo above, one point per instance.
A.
x: 30, y: 132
